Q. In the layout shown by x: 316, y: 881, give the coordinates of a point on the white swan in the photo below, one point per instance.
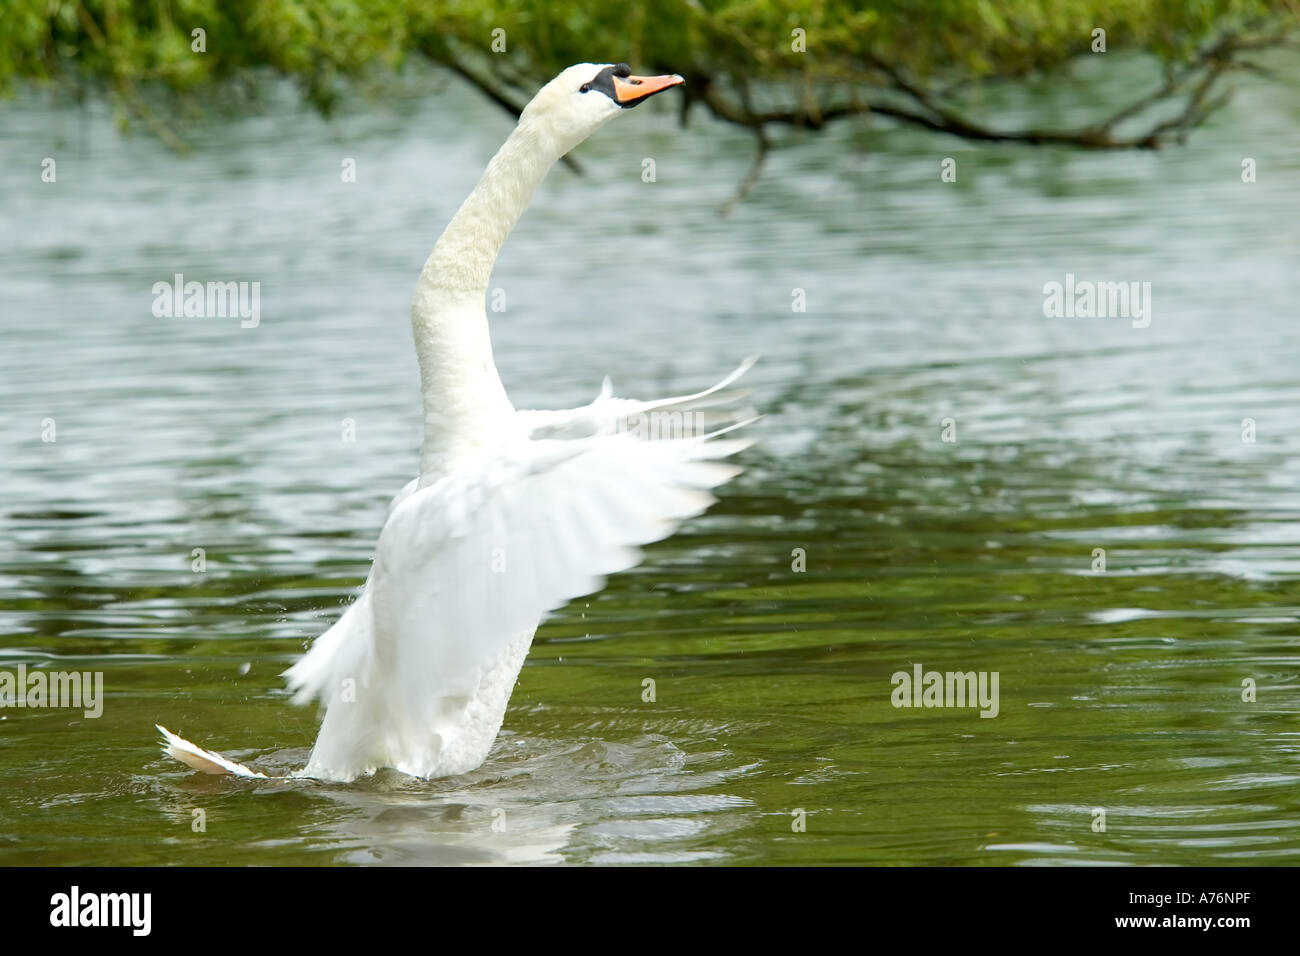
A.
x: 514, y: 512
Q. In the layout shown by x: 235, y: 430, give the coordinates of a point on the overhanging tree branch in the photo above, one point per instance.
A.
x: 927, y: 109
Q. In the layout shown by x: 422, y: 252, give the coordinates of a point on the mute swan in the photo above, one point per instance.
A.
x: 513, y: 513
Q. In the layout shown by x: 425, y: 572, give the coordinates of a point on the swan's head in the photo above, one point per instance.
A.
x: 585, y: 97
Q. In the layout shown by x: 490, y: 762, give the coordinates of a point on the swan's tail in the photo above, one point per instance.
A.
x: 204, y: 760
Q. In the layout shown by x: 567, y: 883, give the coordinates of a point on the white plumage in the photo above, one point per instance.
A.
x: 513, y: 514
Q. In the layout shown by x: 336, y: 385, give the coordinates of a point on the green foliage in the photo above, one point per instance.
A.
x: 131, y: 44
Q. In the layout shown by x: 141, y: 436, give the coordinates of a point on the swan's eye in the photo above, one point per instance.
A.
x: 585, y: 88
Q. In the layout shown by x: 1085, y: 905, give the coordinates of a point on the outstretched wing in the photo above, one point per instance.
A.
x: 470, y: 564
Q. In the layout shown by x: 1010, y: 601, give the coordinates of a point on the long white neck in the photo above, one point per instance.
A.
x: 465, y: 405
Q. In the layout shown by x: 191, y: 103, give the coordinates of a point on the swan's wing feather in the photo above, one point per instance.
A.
x: 470, y: 564
x: 607, y: 414
x: 488, y: 550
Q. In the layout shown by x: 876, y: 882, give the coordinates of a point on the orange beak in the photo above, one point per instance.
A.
x: 630, y: 90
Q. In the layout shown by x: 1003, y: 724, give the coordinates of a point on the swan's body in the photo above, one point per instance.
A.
x: 513, y: 513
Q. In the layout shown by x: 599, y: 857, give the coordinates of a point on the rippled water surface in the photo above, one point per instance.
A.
x: 1119, y: 690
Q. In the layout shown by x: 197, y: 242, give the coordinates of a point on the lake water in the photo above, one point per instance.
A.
x: 1119, y: 690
